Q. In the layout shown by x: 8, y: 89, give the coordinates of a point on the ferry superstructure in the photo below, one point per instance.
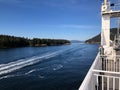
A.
x: 104, y: 73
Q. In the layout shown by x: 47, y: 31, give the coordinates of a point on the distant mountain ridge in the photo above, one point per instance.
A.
x: 76, y: 41
x: 97, y: 39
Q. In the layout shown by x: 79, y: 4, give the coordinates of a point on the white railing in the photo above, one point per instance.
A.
x: 109, y: 63
x: 107, y: 80
x: 115, y: 7
x: 104, y: 74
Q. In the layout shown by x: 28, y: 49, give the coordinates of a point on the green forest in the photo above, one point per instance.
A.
x: 7, y: 41
x: 97, y: 38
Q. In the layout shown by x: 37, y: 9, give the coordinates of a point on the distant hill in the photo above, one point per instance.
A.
x: 97, y: 38
x: 76, y: 41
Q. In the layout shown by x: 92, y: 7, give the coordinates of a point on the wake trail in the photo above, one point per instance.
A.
x: 12, y: 66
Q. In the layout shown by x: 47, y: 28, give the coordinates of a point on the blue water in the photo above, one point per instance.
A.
x: 45, y: 68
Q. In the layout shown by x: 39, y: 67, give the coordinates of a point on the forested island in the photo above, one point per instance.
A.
x: 97, y: 39
x: 7, y: 41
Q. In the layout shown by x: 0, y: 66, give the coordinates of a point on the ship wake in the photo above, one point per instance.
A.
x: 12, y: 66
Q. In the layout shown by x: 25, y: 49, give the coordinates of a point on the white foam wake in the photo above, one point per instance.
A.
x: 19, y: 75
x: 8, y: 76
x: 57, y: 67
x: 30, y: 71
x: 12, y: 66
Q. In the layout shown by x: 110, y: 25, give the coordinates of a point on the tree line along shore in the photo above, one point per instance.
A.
x: 7, y: 41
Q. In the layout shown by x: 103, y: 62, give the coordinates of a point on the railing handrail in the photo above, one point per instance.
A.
x: 109, y: 72
x: 107, y: 76
x: 110, y: 55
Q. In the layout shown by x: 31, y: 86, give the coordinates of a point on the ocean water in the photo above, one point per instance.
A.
x: 46, y: 68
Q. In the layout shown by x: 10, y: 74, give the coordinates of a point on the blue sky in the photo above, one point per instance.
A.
x: 56, y: 19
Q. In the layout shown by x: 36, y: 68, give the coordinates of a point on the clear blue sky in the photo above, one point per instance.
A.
x: 63, y: 19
